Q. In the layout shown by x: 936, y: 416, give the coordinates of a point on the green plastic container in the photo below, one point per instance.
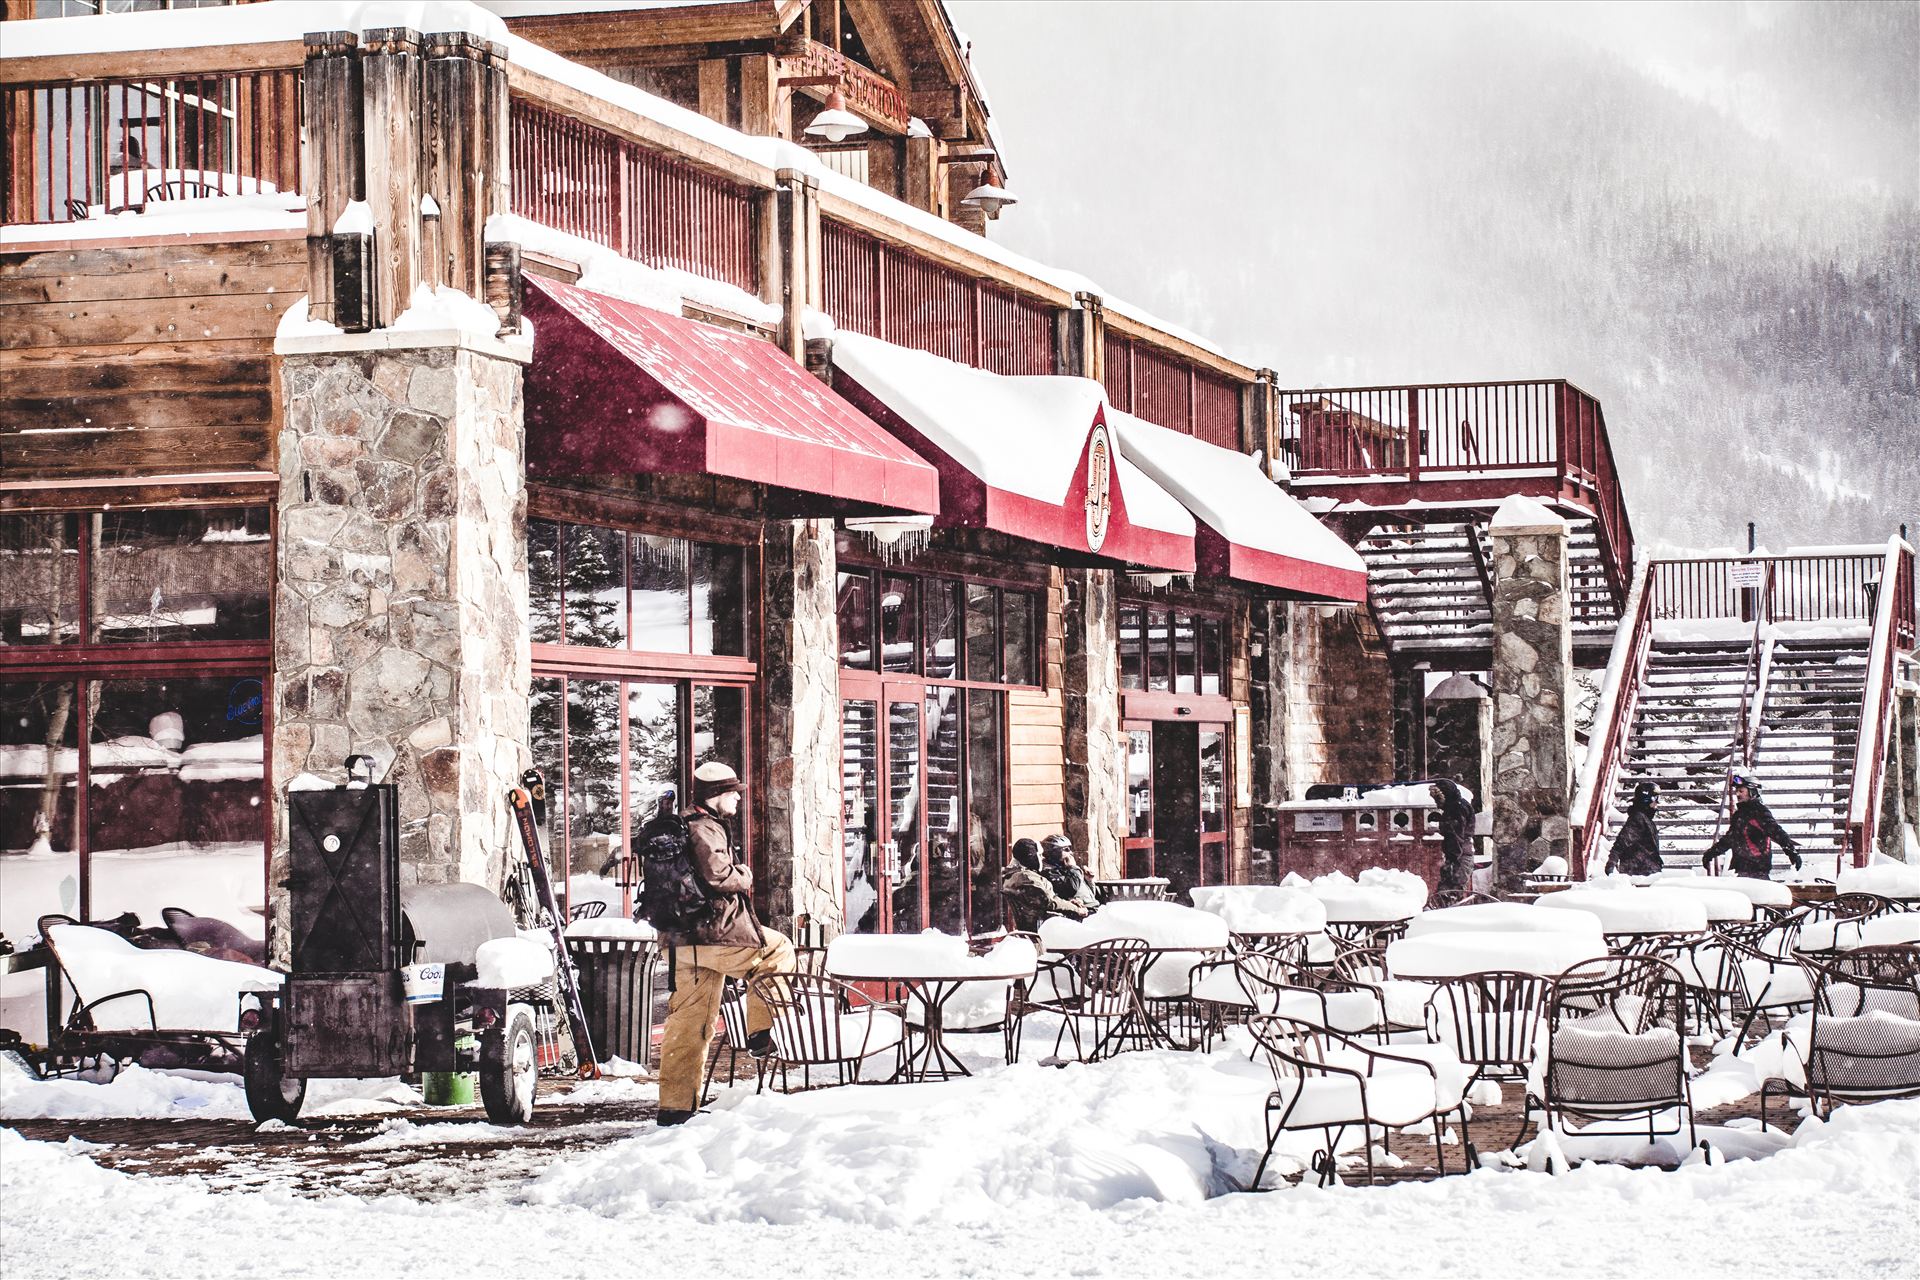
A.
x: 451, y: 1088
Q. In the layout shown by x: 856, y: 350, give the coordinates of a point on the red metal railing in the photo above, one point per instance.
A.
x: 1618, y: 699
x: 85, y: 149
x: 571, y: 176
x: 1549, y: 430
x: 903, y: 297
x: 1893, y: 630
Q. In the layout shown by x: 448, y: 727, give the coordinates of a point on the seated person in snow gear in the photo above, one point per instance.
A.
x: 1456, y: 839
x: 1636, y: 850
x: 728, y: 942
x: 1029, y: 897
x: 1748, y: 835
x: 1063, y: 872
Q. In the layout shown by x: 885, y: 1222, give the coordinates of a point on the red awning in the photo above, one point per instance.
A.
x: 617, y: 388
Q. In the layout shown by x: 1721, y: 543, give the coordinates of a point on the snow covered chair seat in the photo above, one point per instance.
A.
x: 823, y: 1022
x: 1325, y: 1081
x: 1099, y: 985
x: 130, y: 1002
x: 1861, y: 1043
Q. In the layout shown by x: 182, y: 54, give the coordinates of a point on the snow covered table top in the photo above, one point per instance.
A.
x: 1453, y: 955
x: 1378, y: 895
x: 1761, y: 893
x: 1503, y: 917
x: 1634, y: 910
x: 191, y: 992
x: 1722, y: 901
x: 1163, y: 925
x: 1846, y: 935
x: 1888, y: 879
x: 929, y: 956
x: 1263, y: 908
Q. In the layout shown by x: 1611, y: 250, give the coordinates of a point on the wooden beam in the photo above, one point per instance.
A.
x: 715, y: 100
x: 188, y: 489
x: 141, y: 320
x: 159, y: 271
x: 391, y: 97
x: 272, y: 55
x: 55, y: 454
x: 1178, y: 346
x: 585, y: 33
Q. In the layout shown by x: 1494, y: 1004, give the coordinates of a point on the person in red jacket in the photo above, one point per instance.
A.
x: 1749, y: 834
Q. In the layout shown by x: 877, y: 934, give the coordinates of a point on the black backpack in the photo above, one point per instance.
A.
x: 672, y: 899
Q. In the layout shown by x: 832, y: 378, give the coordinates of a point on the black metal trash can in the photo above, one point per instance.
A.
x: 616, y: 992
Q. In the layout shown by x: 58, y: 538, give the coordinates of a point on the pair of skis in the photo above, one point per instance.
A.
x: 529, y: 803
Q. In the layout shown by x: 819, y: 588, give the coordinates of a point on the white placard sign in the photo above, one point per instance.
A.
x: 1747, y: 575
x: 1308, y: 820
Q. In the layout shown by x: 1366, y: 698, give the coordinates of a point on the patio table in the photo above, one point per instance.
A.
x: 933, y: 967
x: 1762, y: 893
x: 1436, y: 956
x: 1846, y: 935
x: 1897, y: 880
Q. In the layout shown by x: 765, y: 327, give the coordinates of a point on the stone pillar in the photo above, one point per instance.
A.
x: 798, y: 817
x: 1460, y: 735
x: 1532, y: 675
x: 400, y: 610
x: 1096, y: 760
x: 1410, y: 723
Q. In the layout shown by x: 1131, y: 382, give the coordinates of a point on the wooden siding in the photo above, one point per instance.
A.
x: 903, y: 297
x: 150, y: 359
x: 1036, y: 741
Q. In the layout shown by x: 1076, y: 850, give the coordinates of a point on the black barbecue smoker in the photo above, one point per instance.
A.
x: 344, y: 1011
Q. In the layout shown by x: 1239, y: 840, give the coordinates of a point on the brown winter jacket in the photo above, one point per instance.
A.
x: 725, y: 874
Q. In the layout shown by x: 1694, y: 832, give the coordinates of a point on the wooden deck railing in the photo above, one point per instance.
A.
x: 86, y: 148
x: 1548, y: 432
x: 1834, y: 586
x: 1619, y: 692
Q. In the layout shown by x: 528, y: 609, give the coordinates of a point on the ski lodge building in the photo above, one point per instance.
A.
x: 611, y: 392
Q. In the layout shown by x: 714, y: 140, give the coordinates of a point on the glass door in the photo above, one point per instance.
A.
x: 904, y: 885
x: 1139, y: 799
x: 861, y: 816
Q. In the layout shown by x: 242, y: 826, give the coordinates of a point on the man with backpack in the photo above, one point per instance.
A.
x: 698, y: 895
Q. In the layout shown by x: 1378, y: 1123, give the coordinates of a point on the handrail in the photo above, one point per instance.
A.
x: 1619, y: 691
x: 1894, y: 604
x: 1749, y: 692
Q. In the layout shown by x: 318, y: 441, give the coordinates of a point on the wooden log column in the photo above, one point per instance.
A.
x: 1095, y: 749
x: 1532, y: 673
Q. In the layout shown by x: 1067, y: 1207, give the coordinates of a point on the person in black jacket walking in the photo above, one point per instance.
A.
x: 1636, y: 851
x: 1456, y: 840
x: 1749, y: 834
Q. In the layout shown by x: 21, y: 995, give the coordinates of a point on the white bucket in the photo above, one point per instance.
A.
x: 424, y: 983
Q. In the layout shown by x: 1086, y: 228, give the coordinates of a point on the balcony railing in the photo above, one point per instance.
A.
x: 586, y: 181
x: 88, y: 148
x: 1547, y: 431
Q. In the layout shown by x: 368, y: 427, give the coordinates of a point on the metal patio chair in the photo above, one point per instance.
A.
x: 1493, y: 1022
x: 1617, y: 1046
x: 1862, y: 1042
x: 821, y: 1022
x: 1326, y: 1081
x: 1098, y: 984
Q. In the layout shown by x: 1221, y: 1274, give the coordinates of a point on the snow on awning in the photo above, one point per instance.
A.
x: 1028, y: 456
x: 1250, y: 530
x: 617, y: 388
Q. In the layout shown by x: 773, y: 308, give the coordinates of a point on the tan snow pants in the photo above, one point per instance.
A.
x: 700, y: 975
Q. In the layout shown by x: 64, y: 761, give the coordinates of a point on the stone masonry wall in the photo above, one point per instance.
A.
x: 400, y: 626
x: 1532, y: 712
x: 799, y: 789
x: 1096, y: 761
x: 1339, y: 699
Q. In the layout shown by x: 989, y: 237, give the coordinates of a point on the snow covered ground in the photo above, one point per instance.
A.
x: 1126, y: 1167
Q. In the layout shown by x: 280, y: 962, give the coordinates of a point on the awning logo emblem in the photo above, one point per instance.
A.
x: 1099, y: 486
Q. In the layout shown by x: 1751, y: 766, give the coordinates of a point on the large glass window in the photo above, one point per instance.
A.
x: 124, y: 792
x: 899, y: 631
x: 942, y: 634
x: 939, y: 627
x: 1020, y: 656
x: 626, y: 731
x: 856, y: 621
x: 602, y: 588
x: 1171, y: 651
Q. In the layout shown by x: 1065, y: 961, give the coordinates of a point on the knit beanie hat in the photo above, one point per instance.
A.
x: 714, y: 779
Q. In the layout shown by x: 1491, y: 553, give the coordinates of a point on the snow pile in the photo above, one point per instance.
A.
x: 137, y: 1093
x: 1522, y: 512
x: 1504, y: 917
x: 1262, y: 908
x: 1888, y: 879
x: 190, y: 992
x: 1634, y: 910
x: 931, y: 954
x: 1455, y: 954
x: 512, y: 962
x: 613, y: 927
x: 1379, y: 894
x: 603, y: 270
x: 1762, y: 893
x: 1721, y: 901
x: 442, y: 308
x: 1185, y: 934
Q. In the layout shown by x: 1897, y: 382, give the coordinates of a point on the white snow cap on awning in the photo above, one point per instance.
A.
x: 1259, y: 532
x: 1024, y: 438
